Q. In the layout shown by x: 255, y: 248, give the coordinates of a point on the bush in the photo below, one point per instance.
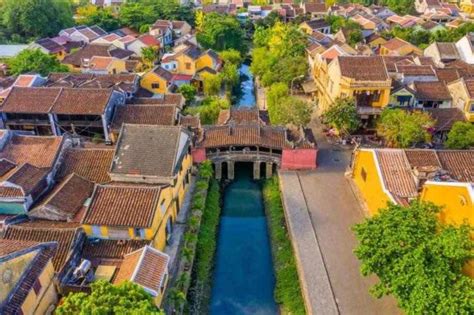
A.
x: 287, y: 290
x: 461, y: 136
x: 205, y: 250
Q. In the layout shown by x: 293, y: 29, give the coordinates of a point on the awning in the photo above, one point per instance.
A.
x: 309, y: 87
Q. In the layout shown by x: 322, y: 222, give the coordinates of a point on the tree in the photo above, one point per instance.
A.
x: 284, y: 109
x: 36, y: 61
x: 140, y: 14
x: 209, y: 109
x: 279, y: 55
x: 136, y: 15
x: 293, y: 111
x: 189, y: 93
x: 417, y: 259
x: 230, y: 75
x: 232, y: 56
x: 221, y: 32
x: 402, y: 128
x: 343, y: 116
x: 92, y: 15
x: 149, y: 56
x: 211, y: 84
x: 105, y: 298
x: 34, y: 19
x: 461, y: 136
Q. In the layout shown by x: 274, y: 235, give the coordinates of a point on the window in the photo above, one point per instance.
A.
x: 363, y: 174
x: 471, y: 109
x: 96, y: 230
x: 155, y: 85
x: 376, y: 96
x: 163, y: 207
x: 188, y: 65
x: 404, y: 100
x: 37, y: 287
x: 139, y: 233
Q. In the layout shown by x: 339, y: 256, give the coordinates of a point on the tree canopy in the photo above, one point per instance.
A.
x: 140, y: 14
x: 105, y: 298
x: 402, y: 128
x: 284, y: 109
x: 352, y: 29
x: 343, y: 116
x: 30, y: 19
x: 417, y: 259
x: 279, y: 54
x: 209, y: 109
x: 92, y: 15
x: 36, y: 61
x: 220, y: 32
x: 461, y: 136
x: 189, y: 93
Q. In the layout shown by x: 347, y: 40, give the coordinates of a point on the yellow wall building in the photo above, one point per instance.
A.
x: 462, y: 92
x: 131, y: 212
x: 20, y: 262
x: 153, y: 165
x: 157, y: 80
x: 399, y: 47
x: 467, y: 6
x: 363, y: 78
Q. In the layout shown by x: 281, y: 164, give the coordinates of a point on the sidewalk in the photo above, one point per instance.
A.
x: 317, y: 291
x: 172, y: 249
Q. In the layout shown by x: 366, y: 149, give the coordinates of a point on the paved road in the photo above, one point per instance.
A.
x: 334, y: 209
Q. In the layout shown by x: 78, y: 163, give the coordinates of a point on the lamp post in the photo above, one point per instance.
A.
x: 293, y: 80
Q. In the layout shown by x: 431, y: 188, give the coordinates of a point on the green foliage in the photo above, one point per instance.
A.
x: 417, y: 259
x: 221, y: 32
x: 351, y: 29
x: 149, y: 56
x: 402, y: 128
x: 269, y: 21
x: 36, y: 61
x: 230, y: 75
x: 423, y: 38
x: 211, y: 84
x: 343, y: 116
x: 206, y: 248
x: 461, y: 136
x: 401, y: 7
x: 279, y: 54
x: 140, y: 14
x: 205, y: 169
x: 29, y: 19
x: 92, y: 15
x: 189, y: 92
x: 287, y: 289
x: 209, y: 109
x: 284, y: 109
x: 231, y: 56
x: 105, y: 298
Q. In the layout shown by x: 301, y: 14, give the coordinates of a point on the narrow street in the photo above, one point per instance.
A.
x: 334, y: 209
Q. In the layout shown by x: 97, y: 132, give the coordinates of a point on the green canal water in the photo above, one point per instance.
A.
x: 243, y: 280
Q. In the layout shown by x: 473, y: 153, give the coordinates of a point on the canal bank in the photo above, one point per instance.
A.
x: 243, y: 279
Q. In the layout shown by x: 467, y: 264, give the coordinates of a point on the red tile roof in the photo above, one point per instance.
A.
x: 92, y: 164
x: 146, y: 267
x: 123, y: 206
x: 82, y: 101
x: 396, y: 173
x: 35, y: 150
x: 41, y: 231
x: 363, y: 68
x: 144, y: 114
x: 460, y: 164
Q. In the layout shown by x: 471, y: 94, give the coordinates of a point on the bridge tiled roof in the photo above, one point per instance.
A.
x: 244, y: 135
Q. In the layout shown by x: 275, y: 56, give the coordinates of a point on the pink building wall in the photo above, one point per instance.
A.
x: 299, y: 159
x: 198, y: 154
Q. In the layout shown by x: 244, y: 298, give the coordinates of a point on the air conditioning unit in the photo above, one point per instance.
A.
x: 83, y: 269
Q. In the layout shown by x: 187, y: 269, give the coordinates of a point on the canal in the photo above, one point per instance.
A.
x: 247, y: 97
x: 243, y: 279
